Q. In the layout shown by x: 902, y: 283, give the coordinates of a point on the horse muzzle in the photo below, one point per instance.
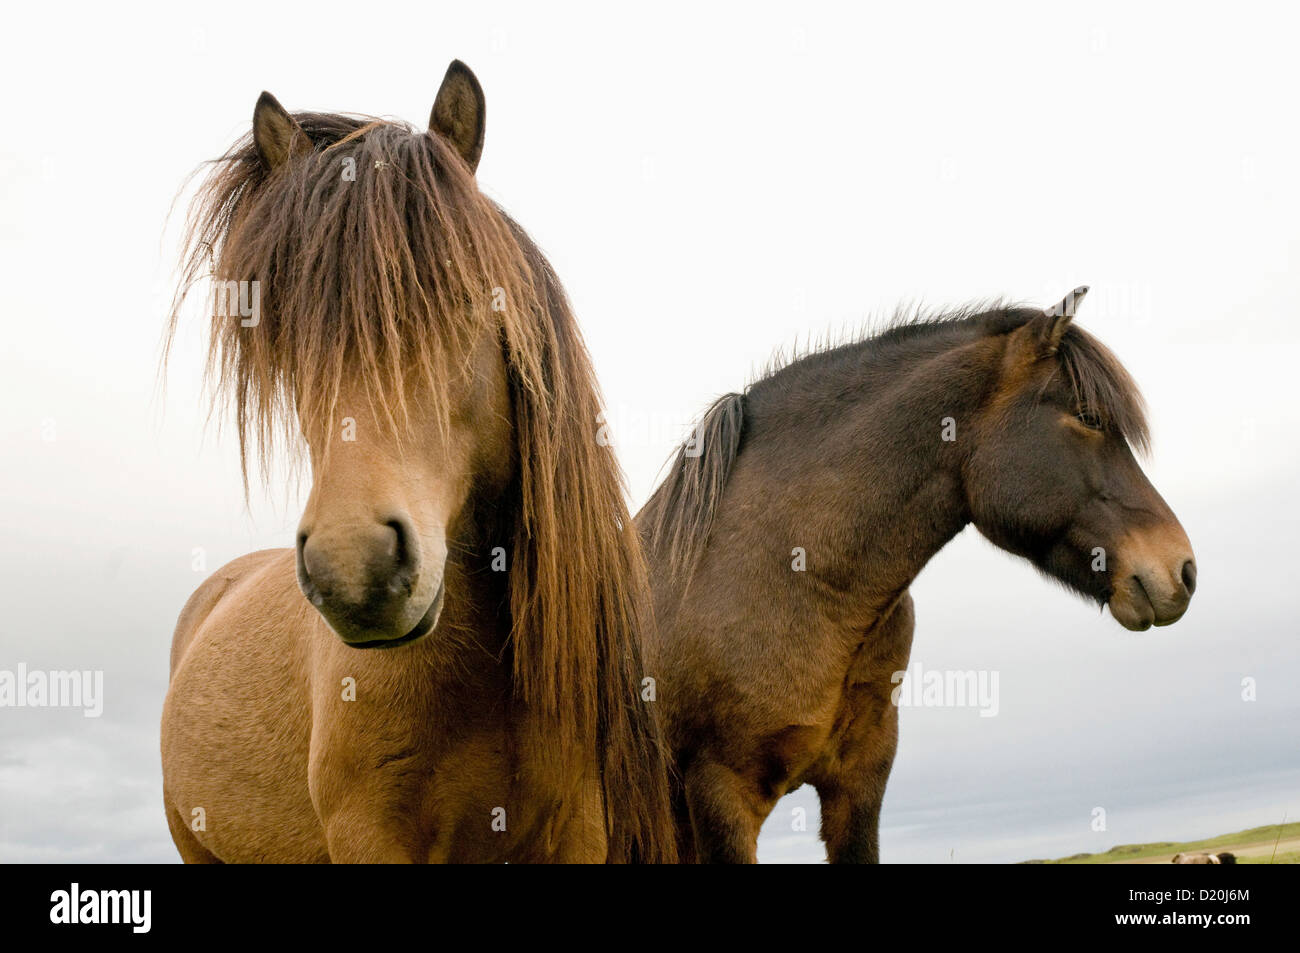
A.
x: 1144, y: 595
x: 370, y: 583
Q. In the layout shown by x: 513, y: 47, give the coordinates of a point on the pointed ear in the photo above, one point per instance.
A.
x: 460, y: 113
x: 1057, y: 319
x: 277, y: 135
x: 1041, y: 335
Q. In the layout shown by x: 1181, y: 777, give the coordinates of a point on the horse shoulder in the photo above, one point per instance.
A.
x: 209, y: 593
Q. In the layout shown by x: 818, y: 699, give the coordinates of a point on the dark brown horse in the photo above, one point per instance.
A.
x: 784, y: 540
x: 447, y: 666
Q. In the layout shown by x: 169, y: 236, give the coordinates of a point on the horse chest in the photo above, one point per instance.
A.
x: 460, y: 790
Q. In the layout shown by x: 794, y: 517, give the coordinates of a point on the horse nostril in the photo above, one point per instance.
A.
x: 404, y: 558
x: 1189, y: 576
x: 303, y: 575
x: 1140, y: 588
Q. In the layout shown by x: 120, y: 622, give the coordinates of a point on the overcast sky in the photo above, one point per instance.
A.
x: 711, y: 184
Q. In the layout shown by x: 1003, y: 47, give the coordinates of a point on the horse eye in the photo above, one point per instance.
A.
x: 1089, y: 420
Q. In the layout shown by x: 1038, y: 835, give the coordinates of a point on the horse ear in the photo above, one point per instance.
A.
x: 1058, y: 318
x: 1040, y: 336
x: 460, y: 113
x: 276, y: 134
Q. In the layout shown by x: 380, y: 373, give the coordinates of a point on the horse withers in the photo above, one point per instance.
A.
x: 447, y: 665
x: 785, y: 537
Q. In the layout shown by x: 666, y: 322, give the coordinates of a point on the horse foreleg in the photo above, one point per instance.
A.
x: 725, y: 814
x: 366, y: 816
x: 851, y: 808
x: 852, y: 791
x: 359, y: 836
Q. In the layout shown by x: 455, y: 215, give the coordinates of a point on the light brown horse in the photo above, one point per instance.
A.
x: 784, y: 540
x: 447, y: 667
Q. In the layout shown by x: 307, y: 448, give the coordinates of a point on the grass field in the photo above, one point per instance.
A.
x: 1255, y: 846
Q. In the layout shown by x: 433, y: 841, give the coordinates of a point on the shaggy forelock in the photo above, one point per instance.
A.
x: 376, y: 257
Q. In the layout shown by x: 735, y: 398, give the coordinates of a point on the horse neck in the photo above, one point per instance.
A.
x: 478, y: 597
x: 854, y: 447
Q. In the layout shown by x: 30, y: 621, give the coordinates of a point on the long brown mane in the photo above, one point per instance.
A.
x: 392, y: 274
x: 676, y: 520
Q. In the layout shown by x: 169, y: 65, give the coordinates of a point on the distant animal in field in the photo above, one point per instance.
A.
x: 784, y: 539
x: 1223, y: 857
x: 447, y: 665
